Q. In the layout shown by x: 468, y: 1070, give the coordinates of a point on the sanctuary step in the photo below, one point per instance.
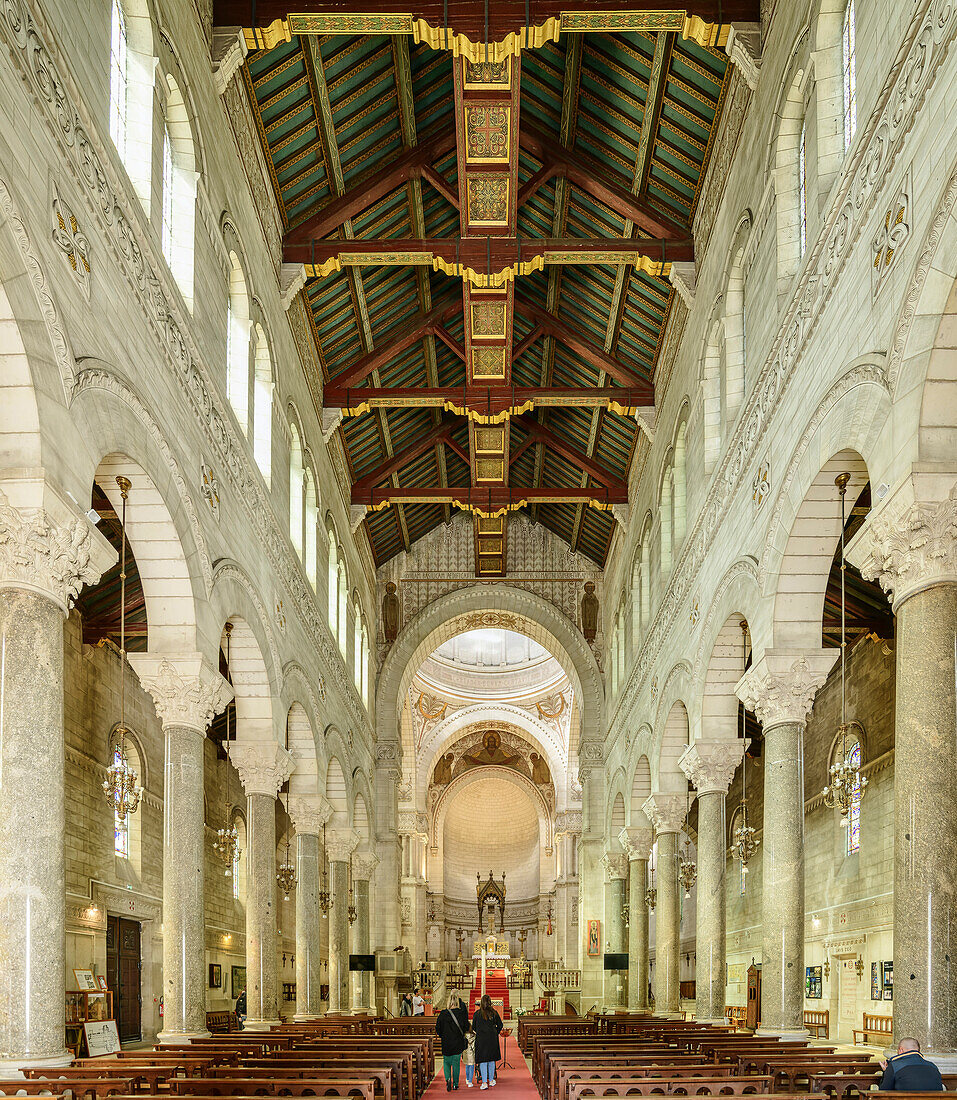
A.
x: 496, y: 987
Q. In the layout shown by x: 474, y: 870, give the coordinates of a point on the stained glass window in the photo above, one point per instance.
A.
x: 854, y: 812
x: 236, y: 858
x: 119, y: 79
x: 849, y: 68
x: 121, y: 822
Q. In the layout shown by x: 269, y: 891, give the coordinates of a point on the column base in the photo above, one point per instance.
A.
x: 173, y: 1038
x: 718, y: 1020
x: 11, y: 1067
x: 945, y: 1060
x: 783, y: 1032
x: 260, y: 1025
x: 299, y: 1017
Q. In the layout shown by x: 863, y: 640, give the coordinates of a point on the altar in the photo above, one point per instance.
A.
x: 497, y: 952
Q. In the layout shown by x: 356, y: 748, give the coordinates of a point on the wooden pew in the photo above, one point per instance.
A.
x: 418, y: 1051
x: 22, y: 1087
x: 817, y: 1020
x: 680, y: 1065
x: 730, y: 1086
x: 363, y: 1087
x: 221, y: 1022
x: 392, y: 1066
x: 663, y: 1081
x: 382, y: 1075
x: 881, y: 1026
x: 63, y: 1081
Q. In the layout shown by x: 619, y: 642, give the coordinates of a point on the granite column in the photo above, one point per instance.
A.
x: 637, y: 843
x: 44, y: 561
x: 910, y: 546
x: 363, y: 864
x: 780, y: 689
x: 187, y: 692
x: 710, y: 767
x: 340, y: 844
x: 616, y: 873
x: 667, y: 812
x: 263, y: 768
x: 308, y: 813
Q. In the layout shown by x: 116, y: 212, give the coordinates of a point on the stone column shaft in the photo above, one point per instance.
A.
x: 667, y: 928
x: 386, y: 920
x: 46, y: 556
x: 340, y: 844
x: 308, y: 962
x: 262, y: 972
x: 637, y: 936
x: 31, y: 831
x: 361, y: 982
x: 616, y: 870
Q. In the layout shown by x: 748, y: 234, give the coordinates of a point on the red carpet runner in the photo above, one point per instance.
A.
x: 495, y: 986
x: 514, y: 1080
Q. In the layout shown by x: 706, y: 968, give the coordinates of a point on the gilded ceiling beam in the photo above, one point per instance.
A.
x: 489, y: 499
x: 488, y: 404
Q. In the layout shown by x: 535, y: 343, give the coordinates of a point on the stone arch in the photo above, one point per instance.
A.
x: 672, y: 741
x: 463, y: 722
x: 640, y: 790
x: 617, y: 817
x: 250, y: 680
x: 437, y: 816
x: 712, y: 373
x: 734, y: 319
x: 235, y: 594
x: 338, y: 793
x: 360, y: 819
x: 448, y: 616
x: 301, y: 742
x: 738, y: 591
x: 154, y: 538
x: 719, y: 704
x: 853, y: 414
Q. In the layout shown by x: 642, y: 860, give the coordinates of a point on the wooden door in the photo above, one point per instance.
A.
x: 753, y: 1017
x: 123, y: 966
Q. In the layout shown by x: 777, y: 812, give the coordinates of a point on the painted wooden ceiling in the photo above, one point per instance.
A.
x: 606, y: 139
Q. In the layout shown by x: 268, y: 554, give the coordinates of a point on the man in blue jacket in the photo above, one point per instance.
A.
x: 907, y: 1071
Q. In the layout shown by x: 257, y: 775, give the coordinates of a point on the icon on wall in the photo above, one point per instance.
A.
x: 215, y: 975
x: 593, y: 944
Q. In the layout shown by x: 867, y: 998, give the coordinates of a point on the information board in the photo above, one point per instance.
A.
x: 101, y: 1037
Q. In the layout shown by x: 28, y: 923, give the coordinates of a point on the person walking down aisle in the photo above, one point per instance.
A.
x: 469, y: 1057
x: 486, y: 1023
x: 451, y: 1025
x: 907, y: 1071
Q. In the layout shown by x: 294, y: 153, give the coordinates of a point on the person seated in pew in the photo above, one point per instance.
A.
x: 908, y: 1071
x: 241, y: 1008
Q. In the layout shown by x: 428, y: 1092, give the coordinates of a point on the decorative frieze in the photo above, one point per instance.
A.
x: 781, y: 686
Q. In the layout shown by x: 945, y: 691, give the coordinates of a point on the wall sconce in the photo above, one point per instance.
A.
x: 227, y: 937
x: 859, y: 967
x: 93, y: 912
x: 827, y: 967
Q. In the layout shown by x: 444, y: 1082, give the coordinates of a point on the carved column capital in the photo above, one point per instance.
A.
x: 228, y: 53
x: 340, y: 844
x: 363, y: 864
x: 781, y: 686
x: 744, y: 49
x: 710, y: 765
x: 636, y: 842
x: 51, y: 550
x: 615, y: 864
x: 186, y: 689
x: 412, y: 823
x: 308, y: 813
x: 568, y: 823
x: 910, y: 543
x: 263, y: 766
x: 666, y: 810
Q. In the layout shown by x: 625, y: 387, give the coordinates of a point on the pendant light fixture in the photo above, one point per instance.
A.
x: 351, y: 911
x: 226, y: 844
x: 651, y: 894
x: 743, y: 842
x: 286, y: 871
x: 121, y: 786
x: 687, y: 871
x: 847, y: 784
x: 325, y: 898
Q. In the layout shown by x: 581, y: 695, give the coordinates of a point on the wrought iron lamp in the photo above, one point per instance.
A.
x: 847, y: 784
x: 226, y: 844
x: 651, y: 894
x: 121, y: 786
x: 549, y: 927
x: 743, y: 841
x: 626, y: 914
x: 325, y: 897
x: 286, y: 873
x: 687, y: 871
x: 351, y: 910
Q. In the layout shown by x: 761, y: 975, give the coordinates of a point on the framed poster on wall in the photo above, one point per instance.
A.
x: 237, y: 981
x: 877, y: 990
x: 813, y: 983
x: 215, y: 975
x: 887, y: 969
x: 593, y: 945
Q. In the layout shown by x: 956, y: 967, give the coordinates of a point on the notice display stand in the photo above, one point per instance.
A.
x: 85, y: 1006
x: 101, y: 1038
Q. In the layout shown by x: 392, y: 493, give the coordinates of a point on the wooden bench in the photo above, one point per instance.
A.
x: 388, y: 1067
x: 318, y: 1085
x: 561, y: 1075
x: 736, y: 1015
x: 817, y: 1021
x: 727, y: 1086
x: 22, y: 1087
x: 76, y: 1085
x: 220, y: 1023
x: 875, y: 1025
x: 382, y: 1075
x: 662, y: 1082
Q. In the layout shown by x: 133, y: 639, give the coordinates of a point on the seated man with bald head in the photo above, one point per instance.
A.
x: 907, y: 1071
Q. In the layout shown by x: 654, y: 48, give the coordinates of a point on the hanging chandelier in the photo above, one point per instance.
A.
x: 626, y: 915
x: 121, y: 786
x: 286, y: 871
x: 325, y: 897
x: 687, y: 870
x: 351, y: 910
x: 846, y: 788
x: 549, y: 928
x: 651, y: 894
x: 226, y: 844
x: 743, y: 840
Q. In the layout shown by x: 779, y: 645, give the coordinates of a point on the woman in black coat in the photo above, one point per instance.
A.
x: 451, y: 1024
x: 486, y: 1023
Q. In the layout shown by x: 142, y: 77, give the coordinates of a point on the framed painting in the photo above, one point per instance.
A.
x: 877, y: 990
x: 215, y: 975
x: 593, y: 943
x: 813, y: 985
x: 237, y: 981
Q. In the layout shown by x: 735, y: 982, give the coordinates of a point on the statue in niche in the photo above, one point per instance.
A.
x: 540, y: 773
x: 442, y: 776
x: 589, y: 612
x: 390, y: 612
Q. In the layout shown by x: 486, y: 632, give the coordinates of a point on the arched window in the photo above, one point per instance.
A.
x: 262, y: 405
x: 179, y: 191
x: 296, y: 489
x: 312, y: 519
x: 127, y: 831
x: 637, y: 610
x: 131, y: 95
x: 666, y: 520
x: 680, y: 486
x: 342, y: 610
x: 712, y: 388
x: 332, y: 584
x: 366, y: 657
x: 849, y: 72
x: 854, y: 757
x: 646, y: 574
x: 357, y: 645
x: 613, y: 659
x: 239, y: 861
x: 802, y: 188
x: 237, y: 343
